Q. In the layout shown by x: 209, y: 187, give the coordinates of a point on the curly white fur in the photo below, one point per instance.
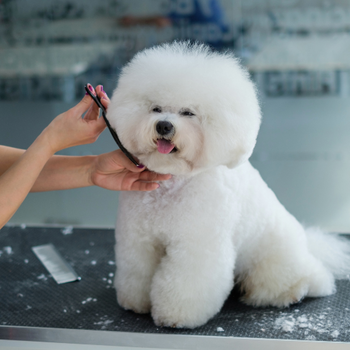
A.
x: 180, y: 248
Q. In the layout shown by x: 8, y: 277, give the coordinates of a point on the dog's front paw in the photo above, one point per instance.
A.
x: 134, y: 302
x: 167, y: 321
x: 177, y: 318
x: 180, y: 312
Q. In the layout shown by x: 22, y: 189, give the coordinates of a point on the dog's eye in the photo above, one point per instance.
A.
x: 187, y: 113
x: 157, y: 110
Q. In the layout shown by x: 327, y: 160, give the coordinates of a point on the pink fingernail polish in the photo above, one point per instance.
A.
x: 102, y: 88
x: 140, y: 166
x: 90, y: 88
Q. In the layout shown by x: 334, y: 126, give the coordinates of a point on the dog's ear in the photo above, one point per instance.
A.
x: 240, y: 154
x: 232, y: 137
x: 231, y: 146
x: 236, y: 161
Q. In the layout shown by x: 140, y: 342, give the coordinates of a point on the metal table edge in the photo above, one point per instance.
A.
x: 157, y: 341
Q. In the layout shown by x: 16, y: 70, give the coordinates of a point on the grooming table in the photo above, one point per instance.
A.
x: 35, y: 311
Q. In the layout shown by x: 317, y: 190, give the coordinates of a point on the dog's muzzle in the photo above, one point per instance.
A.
x: 166, y: 131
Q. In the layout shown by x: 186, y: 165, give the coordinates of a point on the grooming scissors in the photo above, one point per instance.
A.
x: 114, y: 134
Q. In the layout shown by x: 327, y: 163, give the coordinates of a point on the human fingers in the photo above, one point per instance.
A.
x: 121, y: 160
x: 152, y: 176
x: 89, y: 115
x: 132, y: 182
x: 100, y: 125
x: 85, y: 103
x: 144, y: 174
x: 105, y: 101
x: 144, y: 186
x: 103, y: 96
x: 93, y: 112
x: 99, y: 90
x: 145, y: 181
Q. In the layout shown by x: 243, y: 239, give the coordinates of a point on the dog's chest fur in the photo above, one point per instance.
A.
x: 212, y: 196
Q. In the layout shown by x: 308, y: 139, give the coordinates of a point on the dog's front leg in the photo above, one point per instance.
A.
x: 193, y: 279
x: 136, y: 262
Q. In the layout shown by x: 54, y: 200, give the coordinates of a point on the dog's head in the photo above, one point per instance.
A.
x: 182, y: 108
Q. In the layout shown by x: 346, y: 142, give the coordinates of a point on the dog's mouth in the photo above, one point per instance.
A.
x: 165, y: 146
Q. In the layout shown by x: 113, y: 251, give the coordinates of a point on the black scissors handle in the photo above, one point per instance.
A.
x: 114, y: 134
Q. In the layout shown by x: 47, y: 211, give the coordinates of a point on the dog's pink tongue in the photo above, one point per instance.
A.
x: 164, y: 146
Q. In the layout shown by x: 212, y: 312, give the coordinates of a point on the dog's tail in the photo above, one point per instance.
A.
x: 332, y: 249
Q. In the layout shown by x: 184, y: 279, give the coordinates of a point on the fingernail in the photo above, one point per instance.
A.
x: 140, y: 166
x: 86, y: 93
x: 90, y: 88
x: 102, y: 88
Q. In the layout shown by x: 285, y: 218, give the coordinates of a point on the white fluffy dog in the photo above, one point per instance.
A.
x: 185, y: 110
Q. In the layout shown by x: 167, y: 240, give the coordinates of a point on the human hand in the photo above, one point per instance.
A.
x: 114, y: 171
x: 93, y: 111
x: 70, y: 129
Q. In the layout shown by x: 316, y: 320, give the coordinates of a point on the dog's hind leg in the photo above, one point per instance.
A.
x: 281, y: 271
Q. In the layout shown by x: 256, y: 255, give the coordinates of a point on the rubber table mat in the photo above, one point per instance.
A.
x: 31, y: 298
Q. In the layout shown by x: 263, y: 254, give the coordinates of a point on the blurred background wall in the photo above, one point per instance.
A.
x: 297, y: 52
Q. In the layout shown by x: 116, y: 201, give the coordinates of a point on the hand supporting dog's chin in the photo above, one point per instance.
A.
x: 166, y: 164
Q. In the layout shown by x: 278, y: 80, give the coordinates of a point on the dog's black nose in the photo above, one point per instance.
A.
x: 164, y: 128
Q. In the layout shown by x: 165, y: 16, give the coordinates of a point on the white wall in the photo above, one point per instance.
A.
x: 303, y: 153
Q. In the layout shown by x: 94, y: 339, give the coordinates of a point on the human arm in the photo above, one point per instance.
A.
x: 37, y: 169
x: 66, y: 130
x: 16, y: 182
x: 59, y: 172
x: 112, y: 171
